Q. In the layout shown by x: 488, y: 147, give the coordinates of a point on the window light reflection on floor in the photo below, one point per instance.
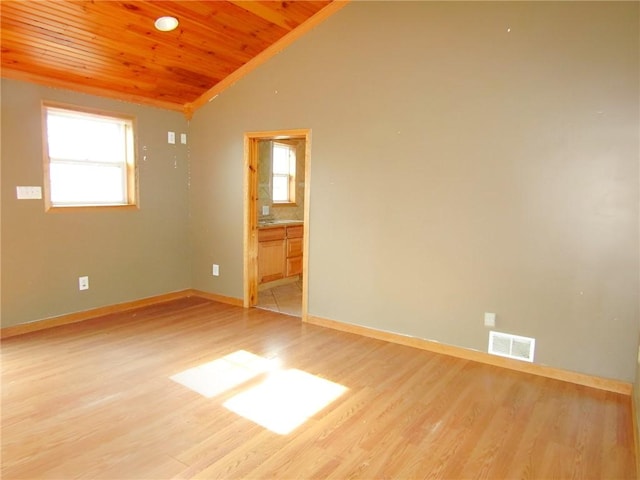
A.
x: 213, y: 378
x: 281, y: 403
x: 285, y: 400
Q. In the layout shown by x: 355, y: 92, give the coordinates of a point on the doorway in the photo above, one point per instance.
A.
x: 266, y: 231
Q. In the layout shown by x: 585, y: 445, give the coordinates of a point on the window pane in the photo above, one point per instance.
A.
x: 280, y: 188
x: 81, y: 137
x: 77, y: 183
x: 281, y: 159
x: 90, y: 157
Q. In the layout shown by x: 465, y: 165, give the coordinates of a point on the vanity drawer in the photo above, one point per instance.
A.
x: 268, y: 234
x: 295, y: 231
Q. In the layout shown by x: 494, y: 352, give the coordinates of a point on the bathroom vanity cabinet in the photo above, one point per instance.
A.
x: 279, y: 252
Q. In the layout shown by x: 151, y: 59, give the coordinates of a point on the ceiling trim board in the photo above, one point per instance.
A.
x: 266, y: 54
x: 102, y: 92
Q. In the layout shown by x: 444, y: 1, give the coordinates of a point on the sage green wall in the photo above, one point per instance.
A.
x: 466, y: 158
x: 127, y: 255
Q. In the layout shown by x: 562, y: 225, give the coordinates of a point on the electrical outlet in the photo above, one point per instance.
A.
x: 171, y: 137
x: 83, y: 283
x: 215, y: 271
x: 489, y: 319
x: 183, y: 138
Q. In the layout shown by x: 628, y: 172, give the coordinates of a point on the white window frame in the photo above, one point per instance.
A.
x: 128, y: 164
x: 290, y: 176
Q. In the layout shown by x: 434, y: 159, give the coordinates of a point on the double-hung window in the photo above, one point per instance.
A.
x: 89, y: 158
x: 284, y: 173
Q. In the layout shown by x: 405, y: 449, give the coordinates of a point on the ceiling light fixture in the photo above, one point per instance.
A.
x: 166, y: 24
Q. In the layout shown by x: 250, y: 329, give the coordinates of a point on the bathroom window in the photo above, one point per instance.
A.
x: 89, y: 158
x: 284, y: 173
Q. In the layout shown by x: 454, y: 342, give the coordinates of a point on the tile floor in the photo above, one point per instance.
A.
x: 285, y: 299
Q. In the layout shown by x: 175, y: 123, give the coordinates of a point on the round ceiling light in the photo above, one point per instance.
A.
x: 166, y: 24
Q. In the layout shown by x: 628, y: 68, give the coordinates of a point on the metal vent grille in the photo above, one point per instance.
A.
x: 512, y: 346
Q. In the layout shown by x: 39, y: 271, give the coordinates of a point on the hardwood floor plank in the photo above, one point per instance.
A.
x: 97, y: 400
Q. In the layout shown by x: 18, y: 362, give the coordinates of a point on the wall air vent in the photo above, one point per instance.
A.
x: 512, y: 346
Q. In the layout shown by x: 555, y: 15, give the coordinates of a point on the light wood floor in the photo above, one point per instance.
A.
x: 96, y: 401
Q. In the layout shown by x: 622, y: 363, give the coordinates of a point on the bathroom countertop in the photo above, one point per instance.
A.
x: 279, y: 223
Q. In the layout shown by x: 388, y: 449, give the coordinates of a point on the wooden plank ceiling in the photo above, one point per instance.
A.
x: 111, y: 48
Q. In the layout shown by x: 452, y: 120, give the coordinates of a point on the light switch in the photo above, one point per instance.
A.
x: 171, y: 137
x: 29, y: 193
x: 183, y: 138
x: 489, y: 319
x: 265, y: 210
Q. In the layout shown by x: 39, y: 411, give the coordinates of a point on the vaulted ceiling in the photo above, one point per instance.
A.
x: 111, y: 48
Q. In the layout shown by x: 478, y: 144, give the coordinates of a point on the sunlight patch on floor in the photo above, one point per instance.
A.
x: 281, y: 403
x: 285, y: 400
x: 213, y: 378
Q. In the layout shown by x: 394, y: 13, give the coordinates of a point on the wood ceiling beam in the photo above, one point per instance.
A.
x: 265, y: 12
x: 50, y: 81
x: 255, y: 62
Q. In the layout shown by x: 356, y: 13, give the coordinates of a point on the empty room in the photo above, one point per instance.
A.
x: 319, y: 239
